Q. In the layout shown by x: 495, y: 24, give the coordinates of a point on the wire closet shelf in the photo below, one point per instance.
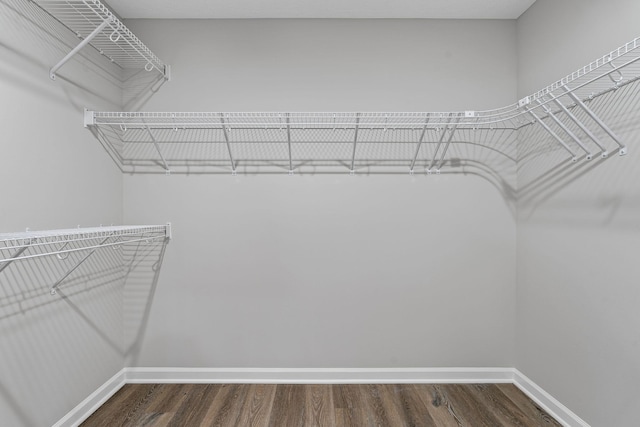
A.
x: 82, y: 243
x: 570, y: 114
x: 94, y: 24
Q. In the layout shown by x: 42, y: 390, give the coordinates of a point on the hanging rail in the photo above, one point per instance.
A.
x: 96, y: 25
x: 570, y: 114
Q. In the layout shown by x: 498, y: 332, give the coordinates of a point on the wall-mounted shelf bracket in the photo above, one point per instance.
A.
x: 524, y: 101
x: 226, y: 139
x: 83, y: 43
x: 435, y: 155
x: 89, y: 119
x: 155, y: 144
x: 420, y: 141
x: 566, y: 130
x: 16, y: 255
x: 289, y: 144
x: 54, y: 288
x: 452, y: 132
x: 355, y: 143
x: 603, y: 125
x: 574, y: 157
x: 604, y: 153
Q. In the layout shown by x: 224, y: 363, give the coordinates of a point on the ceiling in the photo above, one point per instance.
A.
x: 242, y: 9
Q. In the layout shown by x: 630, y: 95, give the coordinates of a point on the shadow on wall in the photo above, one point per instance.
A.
x: 32, y: 41
x: 597, y: 188
x: 50, y: 341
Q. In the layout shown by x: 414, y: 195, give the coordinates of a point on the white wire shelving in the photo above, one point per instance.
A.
x: 569, y: 113
x: 95, y: 25
x: 64, y: 251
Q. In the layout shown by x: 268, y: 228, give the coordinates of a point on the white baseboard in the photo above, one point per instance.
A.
x: 319, y: 375
x: 89, y: 405
x: 322, y: 376
x: 547, y: 402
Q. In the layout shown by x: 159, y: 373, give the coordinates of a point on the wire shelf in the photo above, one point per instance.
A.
x: 203, y: 142
x: 34, y: 264
x: 94, y: 24
x: 37, y: 244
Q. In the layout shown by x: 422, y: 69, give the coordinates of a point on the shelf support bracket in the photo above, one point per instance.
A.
x: 15, y: 255
x: 155, y: 144
x: 579, y: 103
x: 566, y: 130
x: 546, y: 127
x: 446, y: 147
x: 54, y: 287
x: 355, y: 142
x: 415, y: 157
x: 226, y: 139
x: 435, y: 154
x: 590, y: 134
x: 289, y: 144
x: 83, y: 43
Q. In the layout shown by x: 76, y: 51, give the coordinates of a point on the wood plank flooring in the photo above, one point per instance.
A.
x: 282, y: 405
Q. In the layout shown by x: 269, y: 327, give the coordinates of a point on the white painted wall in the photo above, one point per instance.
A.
x: 333, y: 64
x: 578, y: 327
x: 330, y: 271
x: 53, y: 174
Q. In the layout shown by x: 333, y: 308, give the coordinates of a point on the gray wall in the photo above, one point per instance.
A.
x: 53, y: 175
x: 331, y: 271
x: 578, y: 323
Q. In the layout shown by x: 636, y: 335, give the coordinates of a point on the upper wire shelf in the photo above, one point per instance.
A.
x: 571, y: 114
x: 95, y: 24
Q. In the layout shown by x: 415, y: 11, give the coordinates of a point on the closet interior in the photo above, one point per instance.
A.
x: 529, y: 152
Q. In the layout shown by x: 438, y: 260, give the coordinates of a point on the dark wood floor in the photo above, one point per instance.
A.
x: 280, y: 405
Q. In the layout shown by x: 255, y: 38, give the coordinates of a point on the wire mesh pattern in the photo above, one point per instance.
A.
x: 64, y: 259
x: 558, y: 117
x: 542, y: 161
x: 90, y: 19
x: 182, y: 142
x: 55, y: 242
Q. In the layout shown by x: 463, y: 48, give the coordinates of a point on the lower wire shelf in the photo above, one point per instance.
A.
x: 32, y: 261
